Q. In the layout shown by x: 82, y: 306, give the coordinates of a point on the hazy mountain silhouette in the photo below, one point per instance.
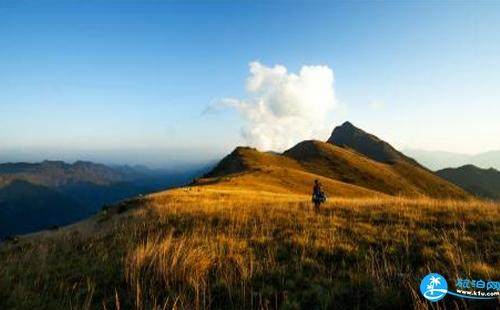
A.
x: 25, y: 207
x: 481, y: 182
x: 436, y: 160
x: 35, y: 196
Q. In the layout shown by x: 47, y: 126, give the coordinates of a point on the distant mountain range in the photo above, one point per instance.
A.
x: 26, y: 207
x: 35, y: 196
x: 436, y: 160
x: 484, y: 183
x: 352, y: 163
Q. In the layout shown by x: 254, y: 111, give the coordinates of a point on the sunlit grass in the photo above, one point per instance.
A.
x: 218, y: 247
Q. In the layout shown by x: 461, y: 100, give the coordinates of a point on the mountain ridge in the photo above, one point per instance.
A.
x: 484, y: 183
x: 348, y: 135
x: 27, y: 207
x: 339, y: 163
x: 75, y: 190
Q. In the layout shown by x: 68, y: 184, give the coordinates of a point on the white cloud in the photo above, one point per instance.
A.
x: 284, y: 108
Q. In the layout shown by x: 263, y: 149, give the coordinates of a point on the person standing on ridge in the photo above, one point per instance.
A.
x: 318, y: 196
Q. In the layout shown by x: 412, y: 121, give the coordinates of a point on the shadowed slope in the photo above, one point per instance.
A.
x: 348, y: 135
x: 481, y: 182
x: 26, y: 207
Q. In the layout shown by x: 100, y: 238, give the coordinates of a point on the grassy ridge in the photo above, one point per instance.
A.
x: 344, y: 166
x: 220, y: 247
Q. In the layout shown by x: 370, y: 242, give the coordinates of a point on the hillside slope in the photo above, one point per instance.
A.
x: 348, y: 135
x: 480, y: 182
x: 342, y: 171
x: 250, y: 169
x: 51, y: 193
x: 25, y: 207
x: 54, y: 174
x: 210, y: 247
x: 421, y: 179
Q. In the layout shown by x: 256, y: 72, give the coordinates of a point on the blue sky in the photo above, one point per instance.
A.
x: 128, y: 81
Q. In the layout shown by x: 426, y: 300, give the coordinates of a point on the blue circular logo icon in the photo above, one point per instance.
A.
x: 433, y: 287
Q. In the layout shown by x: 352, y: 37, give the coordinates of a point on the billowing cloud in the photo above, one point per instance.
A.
x: 284, y: 108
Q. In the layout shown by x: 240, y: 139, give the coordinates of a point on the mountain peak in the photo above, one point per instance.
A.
x: 233, y: 163
x: 348, y: 124
x: 347, y: 130
x: 348, y: 135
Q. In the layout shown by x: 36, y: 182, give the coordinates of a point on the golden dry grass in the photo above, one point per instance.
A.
x: 343, y: 171
x: 217, y: 246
